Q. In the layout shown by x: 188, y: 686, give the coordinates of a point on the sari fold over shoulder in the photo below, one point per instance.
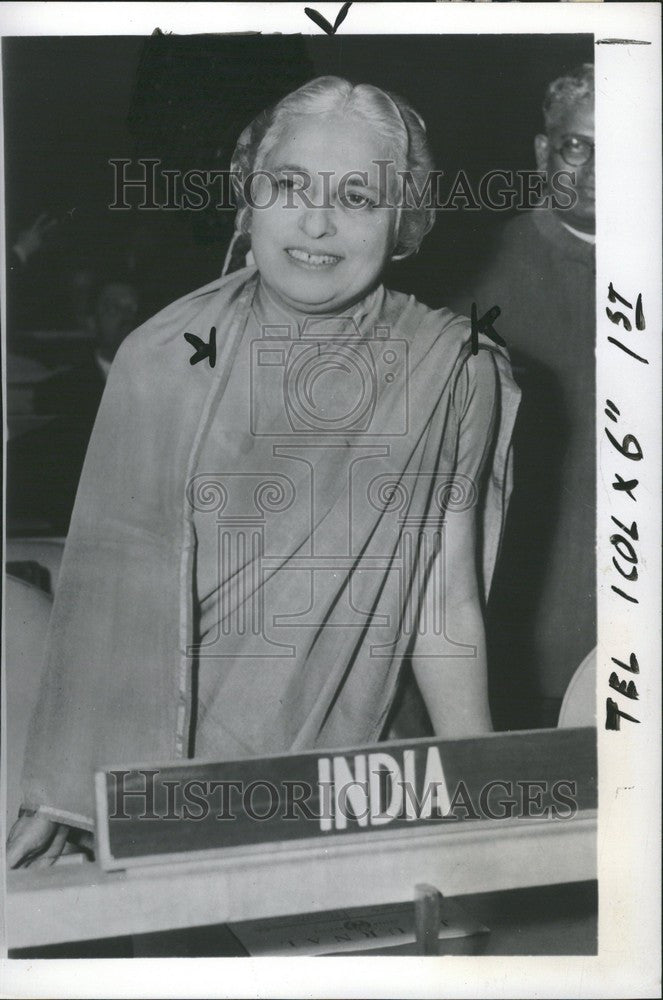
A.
x: 118, y: 680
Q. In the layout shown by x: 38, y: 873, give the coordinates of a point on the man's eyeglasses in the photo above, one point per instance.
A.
x: 576, y: 151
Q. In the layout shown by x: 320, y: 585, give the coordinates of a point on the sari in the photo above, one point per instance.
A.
x: 326, y: 517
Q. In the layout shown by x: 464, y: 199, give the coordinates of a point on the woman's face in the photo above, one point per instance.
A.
x: 322, y: 247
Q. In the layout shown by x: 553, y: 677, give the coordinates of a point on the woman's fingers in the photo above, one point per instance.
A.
x: 86, y: 841
x: 54, y: 849
x: 29, y: 836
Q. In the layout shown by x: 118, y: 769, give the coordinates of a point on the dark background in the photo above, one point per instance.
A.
x: 71, y: 104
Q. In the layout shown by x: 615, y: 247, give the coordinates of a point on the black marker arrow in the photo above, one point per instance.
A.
x: 203, y: 350
x: 621, y: 41
x: 323, y: 23
x: 485, y: 325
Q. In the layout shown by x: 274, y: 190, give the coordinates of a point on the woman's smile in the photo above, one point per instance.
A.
x: 312, y: 260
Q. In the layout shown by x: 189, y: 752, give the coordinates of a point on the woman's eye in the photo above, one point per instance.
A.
x: 291, y: 183
x: 356, y: 200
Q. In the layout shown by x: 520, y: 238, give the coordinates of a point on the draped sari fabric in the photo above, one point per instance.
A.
x: 318, y: 520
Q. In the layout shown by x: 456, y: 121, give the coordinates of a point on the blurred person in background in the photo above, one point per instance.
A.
x: 542, y: 615
x: 44, y: 464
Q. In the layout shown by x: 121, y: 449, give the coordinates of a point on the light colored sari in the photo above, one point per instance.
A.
x: 312, y: 534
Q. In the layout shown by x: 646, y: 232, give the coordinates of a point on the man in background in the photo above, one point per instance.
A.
x: 79, y: 390
x: 542, y: 617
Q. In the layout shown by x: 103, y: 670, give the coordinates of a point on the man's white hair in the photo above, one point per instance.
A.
x: 567, y: 92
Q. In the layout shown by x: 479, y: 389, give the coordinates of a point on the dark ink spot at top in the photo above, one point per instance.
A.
x: 323, y: 23
x: 621, y: 41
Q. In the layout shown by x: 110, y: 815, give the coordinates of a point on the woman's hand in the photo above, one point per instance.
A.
x: 35, y: 840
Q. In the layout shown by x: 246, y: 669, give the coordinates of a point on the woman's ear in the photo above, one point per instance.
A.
x: 541, y: 151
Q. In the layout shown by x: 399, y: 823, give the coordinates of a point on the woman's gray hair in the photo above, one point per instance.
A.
x: 392, y: 117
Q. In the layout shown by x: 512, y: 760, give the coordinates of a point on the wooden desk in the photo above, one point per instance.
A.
x: 77, y: 902
x: 541, y: 920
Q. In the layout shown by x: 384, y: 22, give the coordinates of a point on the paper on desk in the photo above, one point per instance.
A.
x: 348, y: 930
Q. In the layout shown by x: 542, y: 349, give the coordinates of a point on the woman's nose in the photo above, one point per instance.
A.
x: 317, y: 222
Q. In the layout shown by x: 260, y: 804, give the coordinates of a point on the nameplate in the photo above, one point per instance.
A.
x: 192, y: 808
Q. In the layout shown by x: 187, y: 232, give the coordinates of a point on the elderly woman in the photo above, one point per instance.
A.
x: 268, y: 528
